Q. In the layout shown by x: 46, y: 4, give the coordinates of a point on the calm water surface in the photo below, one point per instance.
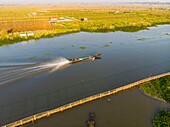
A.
x: 128, y: 109
x: 28, y: 86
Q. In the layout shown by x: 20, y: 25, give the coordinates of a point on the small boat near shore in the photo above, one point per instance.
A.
x: 91, y: 121
x: 89, y: 58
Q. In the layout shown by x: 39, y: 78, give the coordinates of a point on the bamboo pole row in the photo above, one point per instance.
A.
x: 79, y: 102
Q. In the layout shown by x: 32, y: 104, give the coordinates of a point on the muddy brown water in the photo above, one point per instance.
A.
x: 126, y: 109
x: 27, y: 87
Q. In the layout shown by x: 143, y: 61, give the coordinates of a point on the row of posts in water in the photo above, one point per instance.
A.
x: 79, y: 102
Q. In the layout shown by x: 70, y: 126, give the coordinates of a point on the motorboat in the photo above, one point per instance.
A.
x: 88, y: 58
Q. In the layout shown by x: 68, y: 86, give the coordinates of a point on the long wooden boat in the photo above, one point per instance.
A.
x: 89, y: 58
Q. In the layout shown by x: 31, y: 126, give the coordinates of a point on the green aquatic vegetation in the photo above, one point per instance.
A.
x: 159, y: 88
x: 72, y: 45
x: 162, y: 119
x: 32, y: 57
x: 11, y: 39
x: 109, y: 99
x: 106, y: 45
x: 46, y: 54
x: 99, y: 20
x: 167, y: 34
x: 143, y: 39
x: 111, y: 42
x: 82, y: 47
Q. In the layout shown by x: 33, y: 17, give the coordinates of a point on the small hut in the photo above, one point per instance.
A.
x: 23, y: 34
x: 84, y: 19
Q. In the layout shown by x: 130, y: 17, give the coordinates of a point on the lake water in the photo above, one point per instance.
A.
x: 33, y: 78
x: 127, y: 109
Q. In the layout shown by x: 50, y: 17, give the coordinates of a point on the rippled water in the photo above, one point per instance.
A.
x: 126, y: 57
x: 14, y: 72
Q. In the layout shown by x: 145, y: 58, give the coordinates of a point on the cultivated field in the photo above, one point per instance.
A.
x: 25, y: 19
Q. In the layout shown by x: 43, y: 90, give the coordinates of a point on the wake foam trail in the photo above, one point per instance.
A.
x: 13, y: 72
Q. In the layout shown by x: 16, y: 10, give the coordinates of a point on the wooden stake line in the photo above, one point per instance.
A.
x: 82, y: 101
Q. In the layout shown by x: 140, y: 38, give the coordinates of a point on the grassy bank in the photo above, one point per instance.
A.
x: 15, y: 38
x: 159, y: 88
x: 162, y: 119
x: 100, y: 18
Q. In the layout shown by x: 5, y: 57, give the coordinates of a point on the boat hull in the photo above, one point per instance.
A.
x: 89, y: 58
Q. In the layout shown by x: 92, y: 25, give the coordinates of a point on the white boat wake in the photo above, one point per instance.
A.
x: 14, y: 72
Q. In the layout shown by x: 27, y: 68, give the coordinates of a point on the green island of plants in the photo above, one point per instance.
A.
x: 82, y: 47
x: 143, y: 39
x: 167, y: 34
x: 106, y: 45
x: 159, y: 88
x: 162, y: 119
x: 15, y: 20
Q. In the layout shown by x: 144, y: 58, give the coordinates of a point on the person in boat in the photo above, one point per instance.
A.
x: 97, y: 56
x: 74, y: 59
x: 93, y: 58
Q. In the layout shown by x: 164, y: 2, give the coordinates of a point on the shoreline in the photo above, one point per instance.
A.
x: 55, y: 33
x: 47, y: 21
x: 162, y: 100
x: 82, y: 101
x: 118, y: 112
x: 21, y: 39
x: 158, y: 89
